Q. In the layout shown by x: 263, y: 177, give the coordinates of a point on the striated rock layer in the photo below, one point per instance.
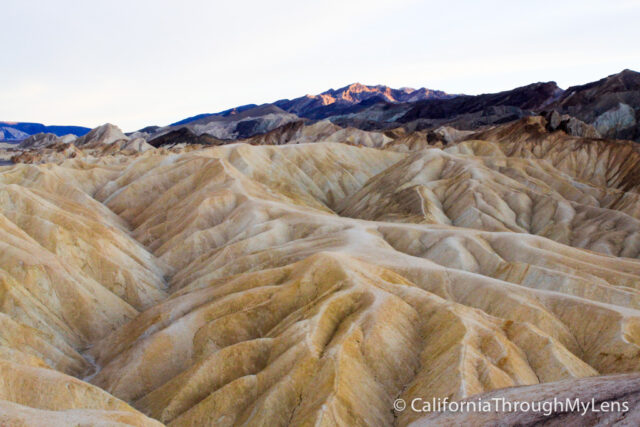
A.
x: 315, y: 283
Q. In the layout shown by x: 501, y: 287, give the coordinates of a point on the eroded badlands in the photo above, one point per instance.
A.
x: 315, y: 283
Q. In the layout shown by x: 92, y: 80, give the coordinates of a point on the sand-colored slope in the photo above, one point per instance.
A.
x: 575, y: 192
x: 31, y: 395
x: 316, y: 283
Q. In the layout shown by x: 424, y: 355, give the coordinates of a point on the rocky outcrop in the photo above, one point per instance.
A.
x: 183, y: 136
x: 619, y: 121
x: 570, y: 125
x: 611, y: 104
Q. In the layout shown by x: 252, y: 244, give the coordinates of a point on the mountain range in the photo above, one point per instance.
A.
x: 328, y: 259
x: 611, y: 105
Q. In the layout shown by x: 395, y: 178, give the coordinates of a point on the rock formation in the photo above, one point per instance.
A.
x: 611, y: 104
x: 293, y: 280
x: 43, y: 140
x: 570, y: 125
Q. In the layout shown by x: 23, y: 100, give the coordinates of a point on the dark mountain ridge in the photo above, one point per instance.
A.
x: 531, y: 97
x: 611, y: 104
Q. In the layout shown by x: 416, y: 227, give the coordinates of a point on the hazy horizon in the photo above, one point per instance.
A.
x: 154, y: 63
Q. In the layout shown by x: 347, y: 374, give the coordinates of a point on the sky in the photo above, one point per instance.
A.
x: 136, y: 63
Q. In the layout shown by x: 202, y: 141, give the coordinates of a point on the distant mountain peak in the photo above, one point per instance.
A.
x: 350, y: 96
x: 351, y: 92
x: 359, y: 87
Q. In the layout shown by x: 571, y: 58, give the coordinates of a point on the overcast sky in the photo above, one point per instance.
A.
x: 136, y: 63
